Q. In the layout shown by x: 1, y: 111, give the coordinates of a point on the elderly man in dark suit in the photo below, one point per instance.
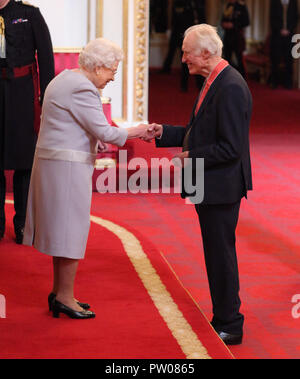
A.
x: 218, y: 131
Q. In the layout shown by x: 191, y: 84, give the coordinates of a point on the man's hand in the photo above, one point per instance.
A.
x: 145, y: 132
x: 153, y: 131
x: 227, y: 25
x: 284, y: 32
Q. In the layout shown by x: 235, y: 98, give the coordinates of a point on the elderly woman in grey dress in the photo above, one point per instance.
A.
x: 73, y: 123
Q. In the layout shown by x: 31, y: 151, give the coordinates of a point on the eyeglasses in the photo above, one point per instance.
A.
x: 114, y: 72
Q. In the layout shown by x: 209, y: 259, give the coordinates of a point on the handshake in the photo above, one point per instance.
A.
x: 148, y: 132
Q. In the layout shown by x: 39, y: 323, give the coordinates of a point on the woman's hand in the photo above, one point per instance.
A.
x: 102, y: 147
x: 143, y: 131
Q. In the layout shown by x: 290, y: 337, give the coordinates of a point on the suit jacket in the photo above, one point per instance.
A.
x: 186, y: 13
x: 276, y: 16
x: 219, y: 133
x: 27, y: 37
x: 238, y: 14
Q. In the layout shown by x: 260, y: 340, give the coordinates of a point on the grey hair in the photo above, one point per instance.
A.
x: 100, y: 52
x: 206, y: 38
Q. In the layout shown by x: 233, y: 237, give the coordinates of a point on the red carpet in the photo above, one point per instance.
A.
x: 267, y: 241
x: 268, y: 232
x: 132, y: 322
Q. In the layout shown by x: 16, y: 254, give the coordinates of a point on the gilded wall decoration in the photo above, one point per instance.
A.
x: 141, y: 59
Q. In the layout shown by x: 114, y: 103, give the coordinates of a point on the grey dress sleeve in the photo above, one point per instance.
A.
x: 86, y: 108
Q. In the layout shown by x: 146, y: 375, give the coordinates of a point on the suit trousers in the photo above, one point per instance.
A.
x: 21, y: 181
x: 218, y: 226
x: 233, y: 44
x: 281, y: 48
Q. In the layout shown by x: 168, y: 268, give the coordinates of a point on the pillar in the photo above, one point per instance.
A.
x: 126, y: 22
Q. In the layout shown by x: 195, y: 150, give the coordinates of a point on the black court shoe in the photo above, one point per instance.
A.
x: 52, y: 297
x: 58, y: 308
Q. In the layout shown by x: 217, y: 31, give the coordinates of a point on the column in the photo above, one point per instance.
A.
x: 126, y: 22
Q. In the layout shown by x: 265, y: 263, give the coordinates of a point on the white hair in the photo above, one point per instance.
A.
x: 206, y: 38
x: 100, y: 52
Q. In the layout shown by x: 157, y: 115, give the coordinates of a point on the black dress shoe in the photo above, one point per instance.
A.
x: 19, y: 235
x: 52, y: 297
x: 231, y: 339
x: 58, y: 308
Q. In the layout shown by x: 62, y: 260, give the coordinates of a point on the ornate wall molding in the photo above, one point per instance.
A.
x: 99, y: 16
x: 141, y: 57
x: 125, y: 61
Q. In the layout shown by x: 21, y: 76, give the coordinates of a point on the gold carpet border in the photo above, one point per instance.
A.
x: 194, y: 301
x: 168, y: 309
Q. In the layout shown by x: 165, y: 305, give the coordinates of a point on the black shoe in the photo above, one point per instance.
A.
x: 1, y: 234
x: 52, y: 297
x: 19, y: 235
x: 58, y: 308
x: 231, y: 339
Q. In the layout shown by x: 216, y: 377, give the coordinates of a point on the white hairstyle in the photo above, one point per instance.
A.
x: 100, y: 52
x: 206, y: 38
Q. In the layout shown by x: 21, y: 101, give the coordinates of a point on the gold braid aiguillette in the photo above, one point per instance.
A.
x: 2, y: 36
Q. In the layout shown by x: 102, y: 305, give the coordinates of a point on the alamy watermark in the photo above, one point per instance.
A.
x: 2, y: 306
x: 188, y: 175
x: 296, y: 307
x: 296, y: 48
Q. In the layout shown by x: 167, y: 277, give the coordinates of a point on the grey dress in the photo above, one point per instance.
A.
x: 59, y: 200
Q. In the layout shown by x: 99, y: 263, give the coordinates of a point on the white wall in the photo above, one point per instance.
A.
x: 112, y: 29
x: 67, y: 21
x: 72, y: 27
x: 68, y: 24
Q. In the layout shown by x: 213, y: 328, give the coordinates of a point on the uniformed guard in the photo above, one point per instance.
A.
x: 234, y: 20
x: 24, y: 36
x: 283, y: 20
x: 185, y: 13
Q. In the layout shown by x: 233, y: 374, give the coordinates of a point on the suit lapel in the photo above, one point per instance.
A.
x: 208, y: 96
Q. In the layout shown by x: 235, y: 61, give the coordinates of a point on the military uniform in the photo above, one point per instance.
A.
x: 159, y: 16
x: 283, y: 16
x: 185, y: 13
x: 24, y: 36
x: 236, y: 13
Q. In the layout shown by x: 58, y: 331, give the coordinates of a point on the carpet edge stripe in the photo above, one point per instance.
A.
x: 187, y: 339
x: 194, y: 301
